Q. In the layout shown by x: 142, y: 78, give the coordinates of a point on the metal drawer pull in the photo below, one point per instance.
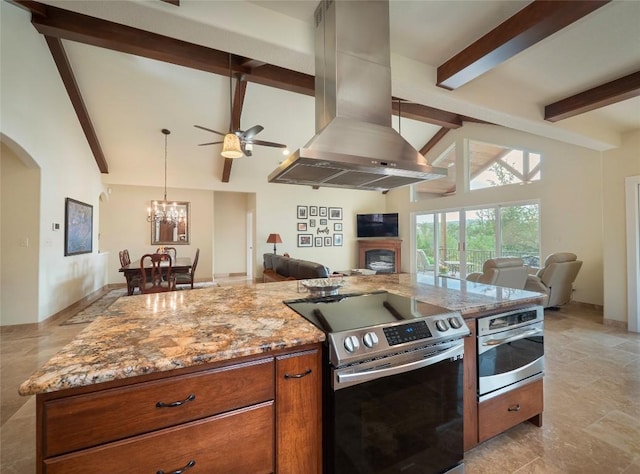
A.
x: 515, y: 407
x: 297, y: 376
x: 190, y: 398
x: 189, y: 465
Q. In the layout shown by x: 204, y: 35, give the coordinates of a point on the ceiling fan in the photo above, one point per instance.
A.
x: 237, y: 143
x: 246, y: 139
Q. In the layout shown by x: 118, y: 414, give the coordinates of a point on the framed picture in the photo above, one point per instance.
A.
x: 323, y: 222
x: 318, y: 241
x: 328, y: 241
x: 322, y: 211
x: 337, y: 226
x: 302, y: 226
x: 78, y: 227
x: 305, y: 240
x: 302, y: 212
x: 335, y: 213
x: 337, y: 240
x: 312, y: 222
x: 313, y: 210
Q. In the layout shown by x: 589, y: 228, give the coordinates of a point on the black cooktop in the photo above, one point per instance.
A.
x: 361, y: 310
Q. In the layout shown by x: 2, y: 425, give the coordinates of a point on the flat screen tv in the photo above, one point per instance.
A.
x: 377, y: 225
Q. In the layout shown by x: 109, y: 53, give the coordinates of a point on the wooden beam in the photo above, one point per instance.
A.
x: 238, y: 103
x: 105, y: 34
x: 69, y: 81
x: 434, y: 140
x: 535, y: 22
x: 427, y: 114
x: 612, y: 92
x: 172, y: 2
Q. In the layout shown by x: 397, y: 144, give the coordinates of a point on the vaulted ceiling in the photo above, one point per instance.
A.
x: 565, y: 70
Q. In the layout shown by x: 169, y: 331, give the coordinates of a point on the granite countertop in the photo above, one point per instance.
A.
x: 144, y: 334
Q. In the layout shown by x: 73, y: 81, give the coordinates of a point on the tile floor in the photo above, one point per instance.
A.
x: 591, y: 417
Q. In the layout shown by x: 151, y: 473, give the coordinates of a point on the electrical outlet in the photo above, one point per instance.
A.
x: 55, y: 226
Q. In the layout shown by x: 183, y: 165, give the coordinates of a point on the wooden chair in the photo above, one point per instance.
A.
x: 156, y: 277
x: 132, y: 281
x: 188, y: 278
x: 170, y: 250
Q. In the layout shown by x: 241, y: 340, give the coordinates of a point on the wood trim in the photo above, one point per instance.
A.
x: 70, y: 84
x: 535, y: 22
x: 612, y: 92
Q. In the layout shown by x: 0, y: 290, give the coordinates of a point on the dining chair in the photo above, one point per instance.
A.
x: 170, y: 250
x: 188, y: 278
x: 157, y: 276
x: 133, y: 281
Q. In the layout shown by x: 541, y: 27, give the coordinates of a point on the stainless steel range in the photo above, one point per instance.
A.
x: 392, y: 396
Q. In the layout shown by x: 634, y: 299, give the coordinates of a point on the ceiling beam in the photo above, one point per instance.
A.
x: 105, y: 34
x: 535, y: 22
x: 427, y: 114
x: 236, y: 113
x: 439, y: 135
x: 621, y: 89
x: 69, y: 81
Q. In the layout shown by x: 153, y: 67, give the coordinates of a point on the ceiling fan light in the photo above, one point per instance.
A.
x: 286, y: 152
x: 231, y: 146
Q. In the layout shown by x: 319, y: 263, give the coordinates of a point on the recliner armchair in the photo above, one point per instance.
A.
x: 509, y: 272
x: 556, y: 278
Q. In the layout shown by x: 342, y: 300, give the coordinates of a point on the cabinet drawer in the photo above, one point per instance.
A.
x: 504, y: 411
x: 87, y: 420
x: 235, y: 442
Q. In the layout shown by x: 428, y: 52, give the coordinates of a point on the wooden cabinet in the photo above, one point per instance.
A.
x: 299, y: 409
x: 515, y: 406
x: 205, y: 420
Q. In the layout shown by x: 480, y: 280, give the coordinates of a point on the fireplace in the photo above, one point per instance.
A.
x: 380, y: 255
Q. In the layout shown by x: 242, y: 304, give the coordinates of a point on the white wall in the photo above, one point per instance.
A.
x: 19, y: 237
x: 570, y: 196
x: 123, y: 225
x: 616, y: 166
x: 230, y: 211
x: 37, y: 116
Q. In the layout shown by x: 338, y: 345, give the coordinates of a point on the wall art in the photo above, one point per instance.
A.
x: 78, y: 228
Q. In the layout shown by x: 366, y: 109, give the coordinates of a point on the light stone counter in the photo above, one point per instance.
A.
x: 145, y: 334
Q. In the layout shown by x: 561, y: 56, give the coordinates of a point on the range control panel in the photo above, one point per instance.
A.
x: 407, y: 333
x: 357, y: 345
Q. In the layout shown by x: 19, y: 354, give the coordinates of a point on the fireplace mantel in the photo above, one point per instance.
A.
x: 391, y: 247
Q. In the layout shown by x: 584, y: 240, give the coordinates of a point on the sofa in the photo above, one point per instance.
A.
x: 510, y: 272
x: 280, y: 268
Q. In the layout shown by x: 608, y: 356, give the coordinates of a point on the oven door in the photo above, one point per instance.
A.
x: 402, y: 414
x: 510, y: 356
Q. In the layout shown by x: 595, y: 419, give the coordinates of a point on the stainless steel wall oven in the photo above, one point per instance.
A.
x: 392, y: 400
x: 510, y: 350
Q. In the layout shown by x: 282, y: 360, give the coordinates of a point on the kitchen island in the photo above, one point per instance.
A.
x: 205, y: 371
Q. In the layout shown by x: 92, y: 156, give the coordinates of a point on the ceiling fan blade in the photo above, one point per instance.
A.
x: 253, y: 131
x: 263, y: 143
x: 209, y: 130
x: 212, y: 143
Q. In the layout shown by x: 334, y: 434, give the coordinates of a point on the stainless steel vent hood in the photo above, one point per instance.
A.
x: 354, y: 146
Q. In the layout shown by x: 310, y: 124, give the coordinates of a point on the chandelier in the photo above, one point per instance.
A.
x: 165, y: 211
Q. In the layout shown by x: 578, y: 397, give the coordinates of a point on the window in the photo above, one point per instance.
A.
x: 495, y: 165
x: 458, y: 242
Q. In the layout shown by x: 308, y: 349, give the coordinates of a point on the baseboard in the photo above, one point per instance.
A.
x: 616, y: 324
x: 229, y: 275
x: 591, y: 306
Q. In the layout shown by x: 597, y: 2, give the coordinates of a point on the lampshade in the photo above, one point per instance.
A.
x: 231, y: 146
x: 274, y: 239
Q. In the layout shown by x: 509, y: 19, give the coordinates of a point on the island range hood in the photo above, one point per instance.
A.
x: 354, y: 146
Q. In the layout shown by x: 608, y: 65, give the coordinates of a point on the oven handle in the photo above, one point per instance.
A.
x: 366, y: 375
x: 517, y: 337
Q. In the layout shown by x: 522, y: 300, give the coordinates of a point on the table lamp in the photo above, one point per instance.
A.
x: 274, y: 239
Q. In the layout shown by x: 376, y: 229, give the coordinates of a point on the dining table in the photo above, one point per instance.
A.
x: 179, y: 265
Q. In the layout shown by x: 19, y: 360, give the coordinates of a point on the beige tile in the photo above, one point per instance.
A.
x: 619, y: 430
